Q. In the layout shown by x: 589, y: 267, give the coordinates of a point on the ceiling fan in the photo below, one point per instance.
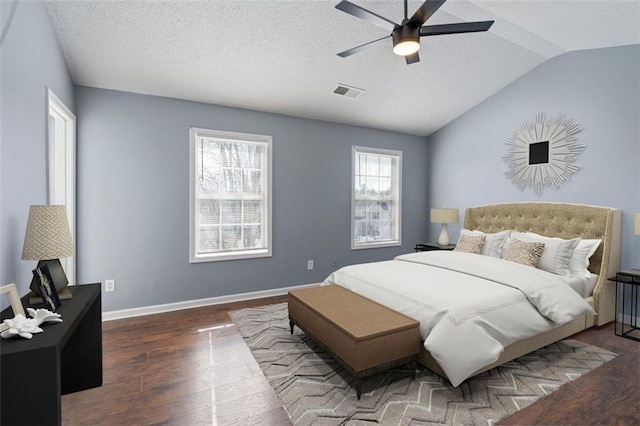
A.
x: 406, y: 36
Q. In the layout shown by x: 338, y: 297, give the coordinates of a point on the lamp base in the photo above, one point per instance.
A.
x: 58, y: 279
x: 444, y: 236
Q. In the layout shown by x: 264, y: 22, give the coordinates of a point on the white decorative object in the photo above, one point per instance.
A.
x: 543, y: 153
x: 14, y: 299
x: 43, y: 315
x: 27, y: 327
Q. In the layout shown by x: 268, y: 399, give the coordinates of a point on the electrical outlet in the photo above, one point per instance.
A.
x: 309, y: 265
x: 110, y: 285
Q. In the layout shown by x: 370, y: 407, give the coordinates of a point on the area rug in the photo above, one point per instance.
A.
x: 315, y: 390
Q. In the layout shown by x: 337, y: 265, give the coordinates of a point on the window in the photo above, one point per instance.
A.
x: 230, y: 195
x: 61, y: 168
x: 375, y: 204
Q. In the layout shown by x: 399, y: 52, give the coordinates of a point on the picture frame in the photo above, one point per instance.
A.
x: 42, y: 278
x: 16, y: 305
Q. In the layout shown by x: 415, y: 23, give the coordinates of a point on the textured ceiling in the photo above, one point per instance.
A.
x: 280, y: 56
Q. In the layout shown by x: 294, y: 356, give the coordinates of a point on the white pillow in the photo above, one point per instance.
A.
x: 557, y: 251
x: 579, y: 262
x: 582, y: 285
x: 492, y: 242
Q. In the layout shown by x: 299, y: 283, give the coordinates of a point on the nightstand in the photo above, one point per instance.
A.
x: 433, y: 246
x: 627, y: 289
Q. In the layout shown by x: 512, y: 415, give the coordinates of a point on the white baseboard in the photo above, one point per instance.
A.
x: 169, y: 307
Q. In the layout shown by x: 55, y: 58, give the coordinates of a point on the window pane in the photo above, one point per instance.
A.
x: 372, y: 186
x: 360, y: 209
x: 385, y: 187
x: 251, y: 157
x: 373, y: 165
x: 209, y: 212
x: 209, y: 239
x: 384, y: 230
x: 252, y: 237
x: 361, y: 187
x: 385, y: 166
x: 231, y: 237
x: 252, y: 212
x: 232, y: 180
x: 384, y: 209
x: 230, y: 155
x: 251, y: 182
x: 231, y: 212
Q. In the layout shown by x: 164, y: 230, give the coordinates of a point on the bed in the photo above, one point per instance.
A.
x: 512, y: 319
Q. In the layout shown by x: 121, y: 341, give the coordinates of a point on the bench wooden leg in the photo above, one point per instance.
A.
x: 359, y: 383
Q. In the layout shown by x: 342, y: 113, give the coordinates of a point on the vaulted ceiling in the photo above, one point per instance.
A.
x: 280, y: 56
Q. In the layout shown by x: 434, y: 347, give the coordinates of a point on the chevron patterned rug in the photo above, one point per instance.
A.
x: 316, y: 390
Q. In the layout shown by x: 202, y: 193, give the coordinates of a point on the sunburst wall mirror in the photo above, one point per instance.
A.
x: 543, y: 152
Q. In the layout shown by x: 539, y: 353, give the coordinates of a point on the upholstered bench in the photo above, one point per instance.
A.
x: 365, y: 336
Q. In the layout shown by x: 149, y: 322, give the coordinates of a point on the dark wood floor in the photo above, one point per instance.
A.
x: 192, y: 367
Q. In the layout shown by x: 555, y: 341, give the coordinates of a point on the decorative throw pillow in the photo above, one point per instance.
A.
x: 525, y: 253
x: 470, y: 243
x: 556, y: 254
x: 492, y: 243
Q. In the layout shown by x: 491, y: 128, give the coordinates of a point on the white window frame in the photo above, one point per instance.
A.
x: 194, y: 256
x: 397, y: 197
x: 60, y: 133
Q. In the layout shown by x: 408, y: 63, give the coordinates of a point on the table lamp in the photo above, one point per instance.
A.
x: 46, y: 240
x: 444, y: 216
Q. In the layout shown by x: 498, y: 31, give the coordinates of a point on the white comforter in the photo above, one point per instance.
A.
x: 469, y: 306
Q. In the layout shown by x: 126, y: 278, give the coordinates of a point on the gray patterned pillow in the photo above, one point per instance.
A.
x: 470, y: 243
x: 525, y: 253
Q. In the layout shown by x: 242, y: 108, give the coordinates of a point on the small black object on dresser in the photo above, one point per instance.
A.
x: 433, y: 246
x: 627, y: 289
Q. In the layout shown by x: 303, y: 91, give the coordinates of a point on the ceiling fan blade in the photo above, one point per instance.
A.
x: 365, y: 14
x: 412, y: 59
x: 424, y: 12
x: 462, y: 27
x: 361, y: 47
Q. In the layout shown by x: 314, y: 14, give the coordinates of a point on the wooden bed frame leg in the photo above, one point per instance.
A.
x: 291, y: 325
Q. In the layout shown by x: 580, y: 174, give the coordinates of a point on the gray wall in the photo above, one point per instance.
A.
x: 600, y: 90
x: 31, y: 60
x: 133, y: 198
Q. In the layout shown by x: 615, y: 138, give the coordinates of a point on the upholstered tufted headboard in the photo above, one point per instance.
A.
x: 564, y: 221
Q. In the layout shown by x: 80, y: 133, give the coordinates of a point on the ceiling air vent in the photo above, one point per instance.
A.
x: 348, y: 91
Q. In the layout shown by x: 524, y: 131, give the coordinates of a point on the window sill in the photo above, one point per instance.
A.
x: 371, y: 245
x: 235, y: 255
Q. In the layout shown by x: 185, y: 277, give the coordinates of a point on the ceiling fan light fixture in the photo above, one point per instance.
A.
x: 406, y: 40
x: 406, y: 48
